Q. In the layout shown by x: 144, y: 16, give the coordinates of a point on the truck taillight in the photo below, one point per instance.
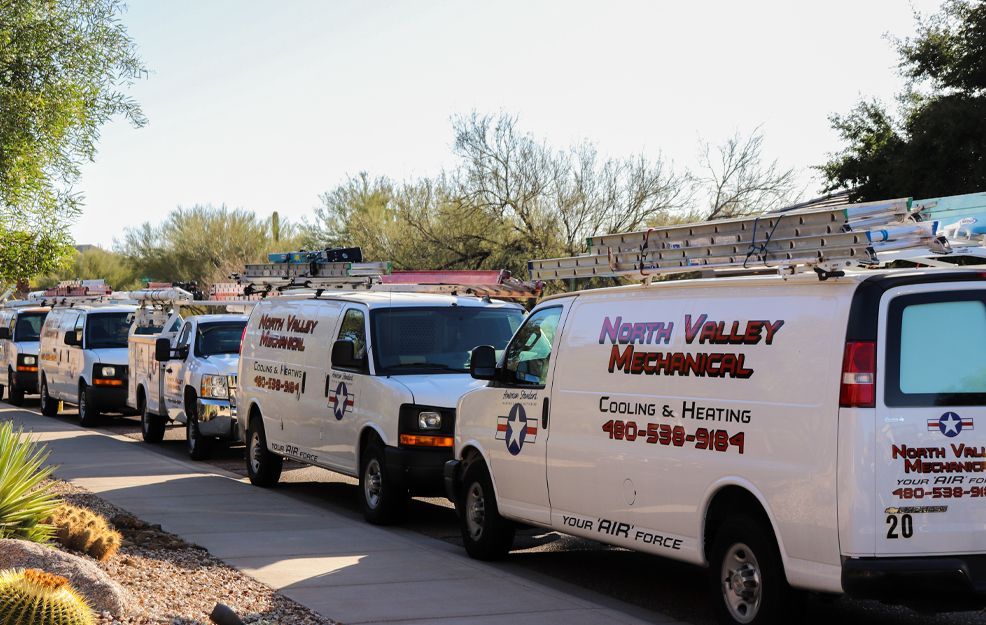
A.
x: 858, y: 388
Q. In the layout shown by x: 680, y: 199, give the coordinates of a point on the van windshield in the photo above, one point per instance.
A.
x: 107, y: 330
x: 219, y: 338
x: 437, y: 339
x: 28, y: 326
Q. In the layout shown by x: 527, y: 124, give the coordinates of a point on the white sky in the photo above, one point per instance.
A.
x: 264, y: 105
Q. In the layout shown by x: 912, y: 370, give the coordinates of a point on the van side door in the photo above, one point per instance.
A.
x: 76, y: 357
x: 516, y: 411
x: 342, y: 409
x: 58, y: 382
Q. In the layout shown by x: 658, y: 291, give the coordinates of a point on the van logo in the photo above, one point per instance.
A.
x: 341, y: 401
x: 516, y: 429
x: 950, y: 424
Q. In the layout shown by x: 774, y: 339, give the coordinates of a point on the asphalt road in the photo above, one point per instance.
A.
x: 645, y: 581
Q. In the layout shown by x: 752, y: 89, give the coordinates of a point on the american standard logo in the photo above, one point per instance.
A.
x: 698, y: 330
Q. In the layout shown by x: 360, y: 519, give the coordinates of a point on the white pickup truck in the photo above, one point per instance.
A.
x: 184, y: 370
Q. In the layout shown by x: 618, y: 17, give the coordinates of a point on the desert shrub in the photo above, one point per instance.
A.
x: 24, y: 501
x: 84, y: 531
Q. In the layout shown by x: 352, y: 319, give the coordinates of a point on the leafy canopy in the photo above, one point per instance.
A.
x: 63, y: 64
x: 936, y: 145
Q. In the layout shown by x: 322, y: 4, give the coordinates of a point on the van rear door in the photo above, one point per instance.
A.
x: 931, y: 420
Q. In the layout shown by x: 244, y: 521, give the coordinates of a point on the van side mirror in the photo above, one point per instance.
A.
x: 344, y: 356
x: 162, y: 350
x: 72, y: 338
x: 482, y: 365
x: 4, y: 334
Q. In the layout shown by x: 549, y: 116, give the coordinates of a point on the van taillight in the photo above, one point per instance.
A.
x: 858, y: 375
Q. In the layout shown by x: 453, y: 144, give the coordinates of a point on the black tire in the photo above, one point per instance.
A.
x: 15, y: 394
x: 485, y: 534
x: 151, y: 425
x: 199, y: 447
x: 88, y: 414
x: 263, y: 467
x: 49, y: 405
x: 383, y: 496
x: 746, y: 576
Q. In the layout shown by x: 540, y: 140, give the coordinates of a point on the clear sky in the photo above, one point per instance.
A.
x: 266, y: 104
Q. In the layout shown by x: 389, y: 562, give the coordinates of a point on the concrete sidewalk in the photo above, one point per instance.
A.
x: 344, y: 569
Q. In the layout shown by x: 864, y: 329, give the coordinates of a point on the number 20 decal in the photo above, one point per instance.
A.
x: 906, y: 525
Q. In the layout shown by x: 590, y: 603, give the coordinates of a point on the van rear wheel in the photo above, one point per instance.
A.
x: 88, y: 414
x: 49, y: 405
x: 747, y: 576
x: 383, y: 497
x: 485, y: 534
x: 263, y: 467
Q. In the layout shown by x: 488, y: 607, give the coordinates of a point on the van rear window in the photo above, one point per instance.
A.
x: 937, y: 350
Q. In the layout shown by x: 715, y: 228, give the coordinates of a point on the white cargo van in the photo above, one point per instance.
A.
x: 83, y: 359
x: 362, y: 383
x: 184, y: 370
x: 20, y: 330
x: 788, y: 433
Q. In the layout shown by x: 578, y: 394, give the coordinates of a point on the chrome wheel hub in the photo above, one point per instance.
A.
x: 373, y: 483
x: 475, y: 511
x: 741, y: 583
x: 255, y: 452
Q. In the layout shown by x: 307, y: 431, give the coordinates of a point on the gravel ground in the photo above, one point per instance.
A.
x: 179, y: 583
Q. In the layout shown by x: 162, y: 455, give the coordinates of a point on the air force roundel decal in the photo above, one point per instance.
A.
x: 341, y: 401
x: 950, y: 424
x: 516, y: 429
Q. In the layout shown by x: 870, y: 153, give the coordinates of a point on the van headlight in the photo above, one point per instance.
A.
x: 215, y: 386
x: 29, y: 360
x: 107, y: 372
x: 429, y: 420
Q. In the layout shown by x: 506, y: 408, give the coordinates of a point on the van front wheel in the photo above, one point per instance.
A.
x: 382, y: 496
x: 88, y: 414
x: 747, y: 576
x: 49, y: 405
x: 15, y: 394
x: 263, y: 467
x: 485, y: 534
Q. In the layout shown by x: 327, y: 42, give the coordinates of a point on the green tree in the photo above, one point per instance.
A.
x: 63, y: 65
x: 202, y: 243
x: 92, y: 264
x: 936, y: 144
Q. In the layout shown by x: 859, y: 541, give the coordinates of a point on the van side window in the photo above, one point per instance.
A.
x: 528, y: 354
x: 354, y: 329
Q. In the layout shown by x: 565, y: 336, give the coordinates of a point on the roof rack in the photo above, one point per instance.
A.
x: 322, y: 270
x: 825, y: 240
x: 75, y: 292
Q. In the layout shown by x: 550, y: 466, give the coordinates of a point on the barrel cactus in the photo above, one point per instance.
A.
x: 33, y: 597
x: 84, y: 531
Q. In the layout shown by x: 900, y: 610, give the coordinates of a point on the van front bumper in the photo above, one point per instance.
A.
x: 421, y: 469
x: 109, y: 399
x: 216, y: 418
x: 27, y: 380
x: 942, y: 583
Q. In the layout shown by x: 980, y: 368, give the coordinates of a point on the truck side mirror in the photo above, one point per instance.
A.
x: 344, y: 356
x: 162, y: 350
x: 4, y: 334
x: 482, y: 365
x: 72, y: 338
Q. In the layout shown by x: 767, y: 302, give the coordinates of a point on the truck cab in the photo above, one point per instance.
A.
x: 186, y: 372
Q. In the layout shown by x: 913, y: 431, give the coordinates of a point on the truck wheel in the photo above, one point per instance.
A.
x: 485, y: 534
x: 198, y: 446
x: 49, y: 405
x: 88, y: 415
x: 747, y: 576
x: 151, y: 425
x: 263, y: 467
x: 383, y: 498
x: 15, y: 394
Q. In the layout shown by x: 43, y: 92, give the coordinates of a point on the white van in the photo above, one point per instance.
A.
x: 83, y: 359
x: 184, y: 370
x: 788, y: 434
x: 364, y: 384
x: 20, y: 330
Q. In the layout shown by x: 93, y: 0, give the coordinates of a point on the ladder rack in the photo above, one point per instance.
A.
x: 826, y: 239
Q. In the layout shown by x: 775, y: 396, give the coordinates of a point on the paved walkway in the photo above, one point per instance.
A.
x: 346, y: 570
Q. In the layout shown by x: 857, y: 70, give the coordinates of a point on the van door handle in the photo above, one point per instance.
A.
x: 544, y: 414
x: 169, y: 370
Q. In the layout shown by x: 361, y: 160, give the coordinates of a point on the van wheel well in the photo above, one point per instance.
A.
x: 731, y: 501
x: 470, y: 455
x: 365, y: 437
x: 140, y: 395
x: 254, y: 414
